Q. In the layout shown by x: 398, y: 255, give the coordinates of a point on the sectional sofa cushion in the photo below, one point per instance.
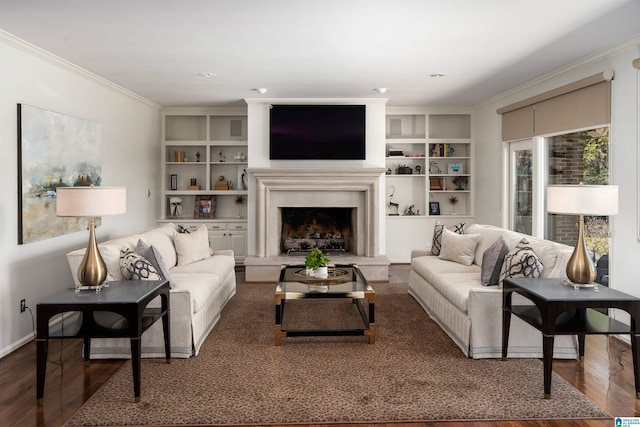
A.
x: 161, y: 238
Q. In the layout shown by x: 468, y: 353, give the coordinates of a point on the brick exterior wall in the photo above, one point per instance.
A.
x: 566, y: 167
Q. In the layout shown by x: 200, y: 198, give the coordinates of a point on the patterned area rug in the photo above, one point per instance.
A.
x: 413, y: 372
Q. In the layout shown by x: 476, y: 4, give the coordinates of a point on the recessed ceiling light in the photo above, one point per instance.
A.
x: 261, y: 90
x: 208, y: 75
x: 381, y: 89
x: 437, y: 75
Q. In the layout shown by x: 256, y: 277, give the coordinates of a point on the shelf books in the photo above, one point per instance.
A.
x: 442, y: 150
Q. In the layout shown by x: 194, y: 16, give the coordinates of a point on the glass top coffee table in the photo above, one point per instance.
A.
x: 344, y: 282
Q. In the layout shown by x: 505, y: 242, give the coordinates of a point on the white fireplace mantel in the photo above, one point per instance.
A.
x: 313, y: 187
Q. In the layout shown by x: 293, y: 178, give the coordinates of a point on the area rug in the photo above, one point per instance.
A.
x: 413, y: 372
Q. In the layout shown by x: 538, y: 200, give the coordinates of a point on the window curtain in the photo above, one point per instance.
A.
x: 580, y: 104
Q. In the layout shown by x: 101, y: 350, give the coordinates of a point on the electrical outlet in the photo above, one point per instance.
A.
x: 23, y: 305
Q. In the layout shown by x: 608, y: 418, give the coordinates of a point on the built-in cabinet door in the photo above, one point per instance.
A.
x: 521, y: 186
x: 218, y: 240
x: 238, y: 243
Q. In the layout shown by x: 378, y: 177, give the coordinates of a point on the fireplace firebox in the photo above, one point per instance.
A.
x: 330, y: 229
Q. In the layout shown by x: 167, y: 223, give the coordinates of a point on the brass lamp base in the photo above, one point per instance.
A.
x: 92, y: 271
x: 580, y: 269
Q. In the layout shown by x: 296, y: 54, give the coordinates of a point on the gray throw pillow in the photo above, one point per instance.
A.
x: 492, y: 260
x: 154, y: 257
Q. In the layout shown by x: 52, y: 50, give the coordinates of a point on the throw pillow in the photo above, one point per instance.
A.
x: 460, y: 248
x: 437, y: 235
x: 521, y: 261
x: 492, y: 260
x: 192, y: 247
x: 135, y: 267
x: 155, y: 258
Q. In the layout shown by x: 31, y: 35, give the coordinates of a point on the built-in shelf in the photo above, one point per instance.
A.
x: 206, y: 148
x: 425, y: 153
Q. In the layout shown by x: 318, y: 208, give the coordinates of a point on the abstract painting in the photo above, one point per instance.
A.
x: 53, y: 150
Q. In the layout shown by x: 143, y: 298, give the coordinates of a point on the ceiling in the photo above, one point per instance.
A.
x: 159, y: 49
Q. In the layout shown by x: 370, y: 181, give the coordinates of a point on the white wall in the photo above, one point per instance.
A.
x: 131, y: 157
x: 625, y: 249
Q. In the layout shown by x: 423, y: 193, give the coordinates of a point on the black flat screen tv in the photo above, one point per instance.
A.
x: 317, y: 132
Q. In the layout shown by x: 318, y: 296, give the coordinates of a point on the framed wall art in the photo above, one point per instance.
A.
x: 54, y: 150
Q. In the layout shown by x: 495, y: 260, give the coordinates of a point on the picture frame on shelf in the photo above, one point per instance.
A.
x: 455, y: 168
x: 435, y: 183
x: 434, y: 208
x: 204, y: 207
x: 174, y: 181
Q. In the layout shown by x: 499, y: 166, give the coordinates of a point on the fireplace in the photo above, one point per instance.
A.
x: 278, y: 188
x: 331, y: 230
x: 352, y: 190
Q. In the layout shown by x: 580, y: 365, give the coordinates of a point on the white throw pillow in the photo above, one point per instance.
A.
x: 460, y: 248
x: 437, y: 235
x: 192, y: 247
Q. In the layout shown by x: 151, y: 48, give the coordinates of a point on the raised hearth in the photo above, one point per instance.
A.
x: 278, y: 188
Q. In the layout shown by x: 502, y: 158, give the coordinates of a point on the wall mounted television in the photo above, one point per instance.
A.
x: 317, y: 132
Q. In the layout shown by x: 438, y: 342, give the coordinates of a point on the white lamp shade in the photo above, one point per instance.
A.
x: 596, y: 200
x: 91, y: 201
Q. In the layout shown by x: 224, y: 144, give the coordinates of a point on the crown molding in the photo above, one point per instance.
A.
x: 35, y: 51
x: 592, y: 59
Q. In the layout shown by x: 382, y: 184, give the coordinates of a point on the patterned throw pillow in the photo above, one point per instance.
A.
x: 436, y: 245
x: 521, y: 261
x: 136, y: 267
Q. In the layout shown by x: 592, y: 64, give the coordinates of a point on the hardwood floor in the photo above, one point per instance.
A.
x: 605, y: 377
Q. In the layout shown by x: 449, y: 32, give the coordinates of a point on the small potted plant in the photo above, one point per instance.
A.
x: 317, y: 262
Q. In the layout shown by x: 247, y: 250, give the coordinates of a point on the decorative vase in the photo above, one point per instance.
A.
x: 310, y: 272
x: 322, y: 272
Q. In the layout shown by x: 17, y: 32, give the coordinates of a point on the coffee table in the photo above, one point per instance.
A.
x: 563, y: 310
x: 344, y: 281
x: 126, y: 298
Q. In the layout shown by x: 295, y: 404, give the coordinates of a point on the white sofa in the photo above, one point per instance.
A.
x: 471, y: 314
x: 199, y: 291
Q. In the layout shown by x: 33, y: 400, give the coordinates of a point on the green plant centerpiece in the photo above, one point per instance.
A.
x: 316, y: 258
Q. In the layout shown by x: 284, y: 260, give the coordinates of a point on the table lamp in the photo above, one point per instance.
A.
x: 91, y: 202
x: 590, y: 200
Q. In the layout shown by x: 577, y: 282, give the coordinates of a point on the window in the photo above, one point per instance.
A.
x: 573, y: 158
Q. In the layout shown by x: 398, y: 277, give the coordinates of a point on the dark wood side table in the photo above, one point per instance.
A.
x: 563, y: 310
x: 127, y: 298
